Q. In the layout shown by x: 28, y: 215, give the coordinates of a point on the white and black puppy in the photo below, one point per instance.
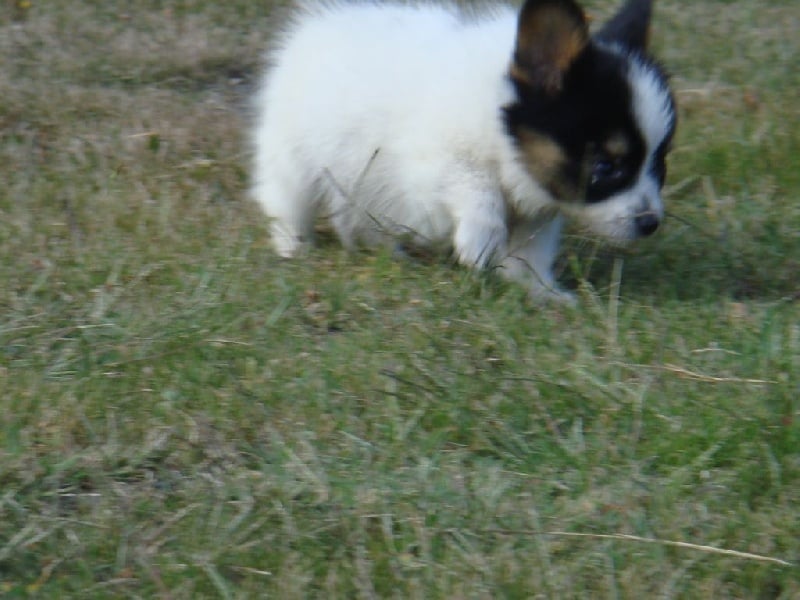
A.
x: 477, y: 131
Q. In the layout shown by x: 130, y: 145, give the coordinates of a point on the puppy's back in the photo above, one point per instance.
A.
x: 420, y: 85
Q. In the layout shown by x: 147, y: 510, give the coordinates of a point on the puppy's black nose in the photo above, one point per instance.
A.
x: 647, y: 223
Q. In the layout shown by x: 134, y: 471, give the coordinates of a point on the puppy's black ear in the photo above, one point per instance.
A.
x: 630, y: 26
x: 551, y: 34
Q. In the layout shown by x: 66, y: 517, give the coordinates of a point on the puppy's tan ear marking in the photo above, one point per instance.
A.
x: 551, y: 34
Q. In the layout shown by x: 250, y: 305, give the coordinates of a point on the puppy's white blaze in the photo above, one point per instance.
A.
x: 652, y: 106
x: 654, y: 112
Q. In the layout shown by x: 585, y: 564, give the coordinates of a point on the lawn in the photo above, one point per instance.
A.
x: 185, y: 415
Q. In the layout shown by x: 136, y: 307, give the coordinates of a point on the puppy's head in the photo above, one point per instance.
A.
x: 594, y: 115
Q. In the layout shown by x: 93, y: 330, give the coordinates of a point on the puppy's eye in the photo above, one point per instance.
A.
x: 606, y: 170
x: 601, y: 169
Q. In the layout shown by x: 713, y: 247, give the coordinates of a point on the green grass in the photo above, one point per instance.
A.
x: 184, y: 415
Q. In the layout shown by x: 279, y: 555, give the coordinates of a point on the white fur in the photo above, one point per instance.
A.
x: 388, y: 119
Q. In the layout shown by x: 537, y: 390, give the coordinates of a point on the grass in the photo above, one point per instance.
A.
x: 183, y: 415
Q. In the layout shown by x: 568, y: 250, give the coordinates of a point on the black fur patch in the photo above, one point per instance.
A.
x: 594, y: 105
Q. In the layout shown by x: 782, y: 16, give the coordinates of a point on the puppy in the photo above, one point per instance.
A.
x: 477, y: 131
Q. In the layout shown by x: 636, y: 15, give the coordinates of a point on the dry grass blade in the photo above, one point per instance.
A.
x: 710, y: 378
x: 645, y: 540
x: 688, y: 374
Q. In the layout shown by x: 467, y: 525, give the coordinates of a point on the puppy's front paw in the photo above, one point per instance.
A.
x: 478, y: 242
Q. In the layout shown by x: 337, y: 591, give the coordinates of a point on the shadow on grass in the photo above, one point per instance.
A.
x: 690, y: 265
x: 682, y: 263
